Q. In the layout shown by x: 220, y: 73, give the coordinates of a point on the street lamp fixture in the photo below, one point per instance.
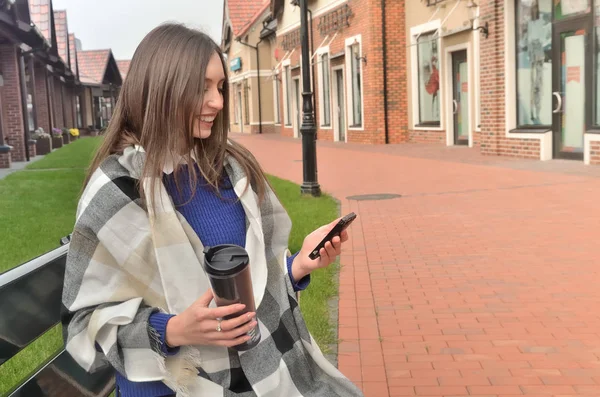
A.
x: 359, y: 58
x: 310, y: 185
x: 473, y: 10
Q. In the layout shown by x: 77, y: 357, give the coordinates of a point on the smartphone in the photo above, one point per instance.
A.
x: 336, y: 231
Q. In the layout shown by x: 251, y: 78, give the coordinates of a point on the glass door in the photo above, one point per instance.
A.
x: 571, y: 96
x: 460, y: 97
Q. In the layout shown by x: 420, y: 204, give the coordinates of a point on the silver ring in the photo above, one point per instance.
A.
x: 219, y: 325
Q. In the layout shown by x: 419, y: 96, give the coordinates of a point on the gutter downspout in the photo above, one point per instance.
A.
x: 25, y: 114
x: 312, y: 67
x: 385, y: 93
x: 259, y: 84
x: 49, y: 98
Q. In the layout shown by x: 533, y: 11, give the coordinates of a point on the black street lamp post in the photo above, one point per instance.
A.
x: 310, y: 185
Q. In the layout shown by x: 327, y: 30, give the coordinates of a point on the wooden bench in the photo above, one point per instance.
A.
x: 30, y: 304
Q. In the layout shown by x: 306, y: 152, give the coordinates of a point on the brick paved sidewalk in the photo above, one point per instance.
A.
x: 481, y: 280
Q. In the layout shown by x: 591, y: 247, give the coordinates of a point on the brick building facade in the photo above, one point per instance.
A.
x: 348, y: 68
x: 12, y: 112
x: 540, y: 70
x: 249, y: 54
x: 40, y: 85
x: 358, y: 69
x: 443, y: 55
x: 504, y: 77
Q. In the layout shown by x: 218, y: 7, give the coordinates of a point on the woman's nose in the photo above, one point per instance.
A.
x: 215, y: 100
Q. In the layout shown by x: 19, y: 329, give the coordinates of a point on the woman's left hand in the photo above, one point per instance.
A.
x: 303, y: 265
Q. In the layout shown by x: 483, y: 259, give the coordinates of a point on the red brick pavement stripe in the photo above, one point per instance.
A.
x: 480, y: 280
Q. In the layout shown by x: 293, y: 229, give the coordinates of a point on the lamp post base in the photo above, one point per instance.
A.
x: 311, y: 188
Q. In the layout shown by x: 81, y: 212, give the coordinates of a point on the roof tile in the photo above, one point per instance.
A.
x: 92, y: 65
x: 72, y: 53
x: 123, y: 67
x: 62, y: 34
x: 40, y: 16
x: 243, y: 13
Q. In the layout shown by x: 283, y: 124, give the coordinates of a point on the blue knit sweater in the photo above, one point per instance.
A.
x: 216, y: 221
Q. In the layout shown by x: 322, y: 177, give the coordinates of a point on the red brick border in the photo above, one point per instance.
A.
x: 595, y: 152
x: 5, y: 160
x: 427, y: 136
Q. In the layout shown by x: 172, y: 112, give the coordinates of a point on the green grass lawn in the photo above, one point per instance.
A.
x: 38, y: 207
x: 77, y: 154
x: 307, y: 214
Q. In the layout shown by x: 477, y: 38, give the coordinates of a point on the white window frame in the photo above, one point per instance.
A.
x: 236, y: 110
x: 448, y: 51
x: 277, y: 83
x: 350, y: 41
x: 296, y: 122
x: 287, y: 107
x: 415, y: 33
x: 335, y: 104
x: 319, y: 53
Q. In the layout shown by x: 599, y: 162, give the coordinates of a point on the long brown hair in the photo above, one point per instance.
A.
x: 156, y: 107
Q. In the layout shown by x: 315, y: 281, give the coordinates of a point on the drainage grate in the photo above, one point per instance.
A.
x: 367, y: 197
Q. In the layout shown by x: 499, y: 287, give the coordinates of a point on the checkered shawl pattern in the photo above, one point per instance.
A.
x: 127, y: 260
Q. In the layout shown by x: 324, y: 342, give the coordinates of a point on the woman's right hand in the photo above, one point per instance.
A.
x: 198, y: 325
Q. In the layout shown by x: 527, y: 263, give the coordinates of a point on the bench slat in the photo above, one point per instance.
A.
x: 30, y: 301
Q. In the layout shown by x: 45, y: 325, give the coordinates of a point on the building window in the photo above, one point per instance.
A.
x: 356, y: 86
x: 29, y: 93
x: 103, y: 112
x: 429, y: 79
x: 234, y: 103
x: 324, y: 91
x: 288, y: 95
x: 246, y: 104
x: 78, y: 110
x: 233, y: 108
x: 534, y: 62
x: 237, y: 105
x: 277, y: 96
x: 30, y: 118
x: 355, y: 90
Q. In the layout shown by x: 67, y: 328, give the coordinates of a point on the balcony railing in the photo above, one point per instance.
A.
x: 335, y: 20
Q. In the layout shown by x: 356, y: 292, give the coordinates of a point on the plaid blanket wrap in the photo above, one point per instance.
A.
x: 127, y: 260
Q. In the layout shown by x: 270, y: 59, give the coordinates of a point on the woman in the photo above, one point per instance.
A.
x: 165, y: 183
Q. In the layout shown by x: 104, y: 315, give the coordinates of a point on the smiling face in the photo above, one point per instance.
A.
x: 212, y: 102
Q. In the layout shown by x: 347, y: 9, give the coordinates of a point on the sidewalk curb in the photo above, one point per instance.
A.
x: 333, y: 305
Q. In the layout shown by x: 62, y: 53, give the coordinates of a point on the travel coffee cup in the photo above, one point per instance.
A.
x: 228, y: 269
